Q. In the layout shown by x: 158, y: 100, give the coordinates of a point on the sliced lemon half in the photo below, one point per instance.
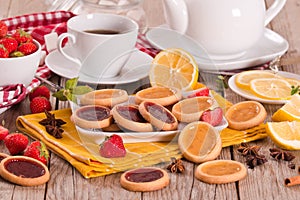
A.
x: 289, y: 112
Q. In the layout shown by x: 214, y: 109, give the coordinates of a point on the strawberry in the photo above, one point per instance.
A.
x: 22, y: 36
x: 213, y: 117
x: 16, y: 143
x: 9, y: 43
x: 112, y: 147
x: 27, y: 48
x: 199, y: 92
x: 3, y: 132
x: 3, y: 29
x: 38, y: 151
x: 40, y: 104
x: 41, y: 91
x: 3, y: 52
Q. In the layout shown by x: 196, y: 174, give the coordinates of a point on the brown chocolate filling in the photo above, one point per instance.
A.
x: 130, y: 113
x: 144, y: 175
x: 159, y: 112
x: 96, y: 113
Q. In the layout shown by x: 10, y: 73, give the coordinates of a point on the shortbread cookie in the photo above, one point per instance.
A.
x: 220, y: 171
x: 145, y: 179
x: 246, y: 114
x: 92, y: 117
x: 129, y: 117
x: 199, y: 142
x: 161, y: 95
x: 23, y: 170
x: 104, y: 97
x: 159, y: 116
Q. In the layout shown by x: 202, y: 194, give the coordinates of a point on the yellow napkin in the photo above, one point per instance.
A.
x: 84, y: 156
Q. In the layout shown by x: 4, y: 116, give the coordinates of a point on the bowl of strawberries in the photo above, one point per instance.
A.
x: 20, y: 55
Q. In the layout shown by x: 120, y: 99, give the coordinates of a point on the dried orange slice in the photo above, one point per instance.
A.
x: 174, y: 68
x: 199, y: 142
x: 285, y: 134
x: 271, y: 88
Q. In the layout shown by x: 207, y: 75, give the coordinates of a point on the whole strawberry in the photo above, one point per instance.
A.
x: 22, y: 36
x: 40, y: 104
x: 9, y: 43
x: 3, y: 29
x: 112, y: 147
x: 213, y: 117
x: 16, y: 143
x: 27, y: 48
x: 3, y: 132
x: 40, y: 91
x: 38, y: 151
x: 3, y: 52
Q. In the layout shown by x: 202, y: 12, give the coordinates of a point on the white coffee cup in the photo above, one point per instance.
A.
x: 224, y: 28
x: 100, y: 43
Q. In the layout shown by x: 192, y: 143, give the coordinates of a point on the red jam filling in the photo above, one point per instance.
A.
x: 94, y: 113
x: 24, y: 168
x: 143, y: 175
x: 130, y: 113
x: 159, y: 112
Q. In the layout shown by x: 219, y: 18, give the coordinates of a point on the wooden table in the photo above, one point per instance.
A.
x: 264, y: 182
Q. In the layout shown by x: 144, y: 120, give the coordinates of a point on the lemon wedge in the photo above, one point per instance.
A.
x: 289, y: 112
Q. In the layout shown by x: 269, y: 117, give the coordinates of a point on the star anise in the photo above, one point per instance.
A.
x: 255, y: 160
x: 292, y: 165
x: 176, y: 166
x: 281, y: 155
x: 245, y: 149
x: 52, y: 125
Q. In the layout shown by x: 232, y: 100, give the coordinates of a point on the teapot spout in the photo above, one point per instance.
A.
x: 176, y: 14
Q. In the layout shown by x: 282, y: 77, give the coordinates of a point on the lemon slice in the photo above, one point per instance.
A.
x: 271, y: 88
x: 242, y: 80
x: 285, y: 134
x: 199, y: 142
x: 289, y: 112
x: 174, y: 68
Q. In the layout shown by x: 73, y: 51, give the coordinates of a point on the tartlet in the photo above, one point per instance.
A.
x: 191, y: 109
x: 23, y: 170
x: 104, y: 97
x: 246, y: 114
x: 145, y: 179
x: 159, y: 116
x: 129, y: 117
x: 2, y: 156
x: 161, y: 95
x: 92, y: 117
x: 220, y: 171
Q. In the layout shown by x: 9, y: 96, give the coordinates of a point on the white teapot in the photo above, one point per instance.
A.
x: 224, y: 28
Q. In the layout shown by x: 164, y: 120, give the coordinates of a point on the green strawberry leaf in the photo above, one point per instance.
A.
x: 82, y: 89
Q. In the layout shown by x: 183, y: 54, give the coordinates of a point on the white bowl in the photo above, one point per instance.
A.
x: 20, y: 70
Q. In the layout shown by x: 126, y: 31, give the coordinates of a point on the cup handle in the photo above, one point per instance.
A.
x: 273, y: 10
x: 61, y: 49
x: 176, y: 14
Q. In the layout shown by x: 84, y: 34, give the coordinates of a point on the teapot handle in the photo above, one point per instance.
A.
x: 273, y: 10
x: 176, y: 14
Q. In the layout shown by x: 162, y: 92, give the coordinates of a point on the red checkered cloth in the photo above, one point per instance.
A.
x: 39, y: 25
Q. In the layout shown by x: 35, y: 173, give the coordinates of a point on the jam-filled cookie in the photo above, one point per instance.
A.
x: 145, y: 179
x: 23, y: 170
x: 246, y: 114
x: 92, y: 116
x: 191, y: 109
x: 161, y: 95
x: 158, y: 116
x: 129, y: 117
x: 3, y: 155
x: 104, y: 97
x: 220, y: 171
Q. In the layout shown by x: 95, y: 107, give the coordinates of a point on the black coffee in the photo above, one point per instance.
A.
x: 103, y: 31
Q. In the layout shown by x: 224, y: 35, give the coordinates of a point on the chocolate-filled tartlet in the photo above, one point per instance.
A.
x: 158, y: 116
x: 129, y: 117
x: 145, y: 179
x: 23, y: 170
x: 92, y: 116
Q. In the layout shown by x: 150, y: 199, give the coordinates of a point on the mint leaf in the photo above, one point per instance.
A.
x: 295, y: 90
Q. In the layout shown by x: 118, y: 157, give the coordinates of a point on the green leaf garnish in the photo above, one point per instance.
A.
x: 295, y: 89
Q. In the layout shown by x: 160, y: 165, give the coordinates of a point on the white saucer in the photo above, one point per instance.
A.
x: 266, y: 49
x: 249, y: 95
x: 136, y: 68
